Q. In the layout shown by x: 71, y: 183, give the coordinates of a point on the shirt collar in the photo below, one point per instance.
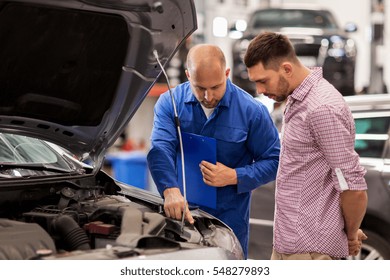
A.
x: 224, y: 102
x: 303, y: 89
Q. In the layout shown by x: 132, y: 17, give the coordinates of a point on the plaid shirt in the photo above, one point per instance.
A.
x: 318, y: 138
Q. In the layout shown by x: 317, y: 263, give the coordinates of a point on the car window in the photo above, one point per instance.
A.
x: 371, y: 136
x: 24, y: 152
x: 22, y: 149
x: 292, y: 18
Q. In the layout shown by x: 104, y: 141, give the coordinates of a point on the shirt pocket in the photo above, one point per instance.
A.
x: 231, y: 142
x: 230, y: 134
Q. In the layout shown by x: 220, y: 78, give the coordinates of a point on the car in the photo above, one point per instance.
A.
x: 73, y: 74
x: 371, y: 113
x: 372, y: 122
x: 316, y: 36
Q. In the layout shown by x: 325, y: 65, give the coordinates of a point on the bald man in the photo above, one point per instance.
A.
x: 247, y: 140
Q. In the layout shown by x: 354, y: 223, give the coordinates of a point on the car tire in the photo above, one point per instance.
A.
x: 374, y: 248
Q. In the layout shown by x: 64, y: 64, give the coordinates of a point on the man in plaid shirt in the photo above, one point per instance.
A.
x: 321, y: 194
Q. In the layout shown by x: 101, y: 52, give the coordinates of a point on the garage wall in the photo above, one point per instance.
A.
x: 140, y: 126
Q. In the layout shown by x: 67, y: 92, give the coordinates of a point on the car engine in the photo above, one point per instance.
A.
x: 57, y: 220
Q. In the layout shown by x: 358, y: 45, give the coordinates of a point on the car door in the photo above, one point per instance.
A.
x: 372, y: 144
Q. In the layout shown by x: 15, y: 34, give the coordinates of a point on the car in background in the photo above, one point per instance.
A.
x: 73, y: 73
x: 372, y: 122
x: 371, y: 113
x: 317, y: 38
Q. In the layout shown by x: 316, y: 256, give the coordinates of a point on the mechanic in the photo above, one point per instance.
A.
x: 209, y: 104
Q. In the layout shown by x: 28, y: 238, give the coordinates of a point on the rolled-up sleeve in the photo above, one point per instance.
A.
x: 334, y: 132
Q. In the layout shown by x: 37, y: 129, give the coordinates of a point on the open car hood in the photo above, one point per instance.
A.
x: 75, y: 72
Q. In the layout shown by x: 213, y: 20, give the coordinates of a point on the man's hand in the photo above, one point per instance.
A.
x: 355, y: 242
x: 174, y: 205
x: 217, y: 175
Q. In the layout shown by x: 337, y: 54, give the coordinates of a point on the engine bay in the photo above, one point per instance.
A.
x: 83, y: 216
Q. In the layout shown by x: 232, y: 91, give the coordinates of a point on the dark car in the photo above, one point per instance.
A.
x: 317, y: 38
x: 372, y: 122
x: 72, y: 74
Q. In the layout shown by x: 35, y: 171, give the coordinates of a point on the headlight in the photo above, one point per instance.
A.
x: 350, y: 48
x: 339, y: 47
x: 337, y: 42
x: 223, y: 238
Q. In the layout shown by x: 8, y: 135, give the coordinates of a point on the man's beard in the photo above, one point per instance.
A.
x: 283, y: 89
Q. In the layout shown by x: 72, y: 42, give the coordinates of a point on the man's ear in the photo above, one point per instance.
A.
x: 227, y: 72
x: 287, y: 68
x: 187, y: 74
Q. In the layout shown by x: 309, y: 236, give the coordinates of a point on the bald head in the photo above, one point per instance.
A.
x: 207, y: 73
x: 205, y: 57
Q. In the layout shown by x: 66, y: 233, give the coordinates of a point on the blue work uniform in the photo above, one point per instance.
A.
x: 247, y: 140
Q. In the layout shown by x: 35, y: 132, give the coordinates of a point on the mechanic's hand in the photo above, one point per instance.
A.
x: 174, y: 205
x: 217, y: 175
x: 355, y: 242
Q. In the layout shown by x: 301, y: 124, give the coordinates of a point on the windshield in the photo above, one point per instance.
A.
x: 30, y: 153
x: 278, y: 18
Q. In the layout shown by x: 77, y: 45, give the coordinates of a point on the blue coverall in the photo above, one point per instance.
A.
x: 247, y: 140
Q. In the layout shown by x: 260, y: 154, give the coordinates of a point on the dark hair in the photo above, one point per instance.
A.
x: 269, y: 49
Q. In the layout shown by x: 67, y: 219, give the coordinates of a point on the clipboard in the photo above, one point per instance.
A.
x: 197, y: 148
